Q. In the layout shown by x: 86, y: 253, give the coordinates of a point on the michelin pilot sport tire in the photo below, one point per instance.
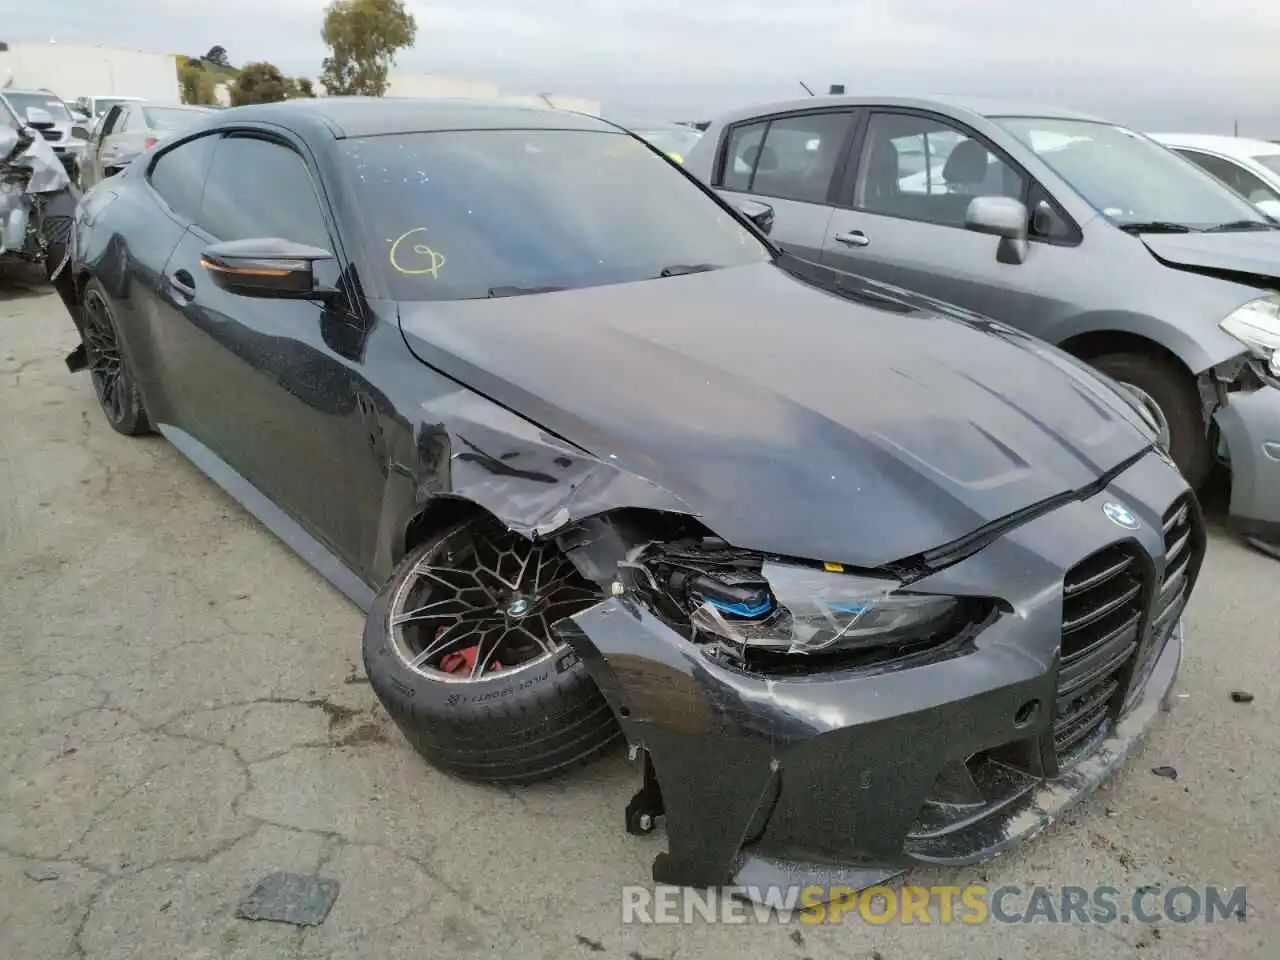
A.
x: 522, y: 726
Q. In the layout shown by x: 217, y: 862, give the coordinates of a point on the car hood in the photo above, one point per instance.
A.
x: 847, y: 428
x: 1252, y: 252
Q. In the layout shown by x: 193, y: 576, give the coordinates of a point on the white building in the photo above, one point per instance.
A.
x: 78, y: 70
x: 405, y: 84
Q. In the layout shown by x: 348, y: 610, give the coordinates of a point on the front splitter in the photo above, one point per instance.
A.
x: 1014, y: 823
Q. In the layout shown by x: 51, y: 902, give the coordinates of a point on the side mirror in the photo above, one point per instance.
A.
x: 270, y: 267
x: 1001, y: 217
x: 79, y: 132
x: 39, y: 118
x: 761, y: 214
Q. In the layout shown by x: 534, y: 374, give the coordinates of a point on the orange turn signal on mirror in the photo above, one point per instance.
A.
x: 244, y: 271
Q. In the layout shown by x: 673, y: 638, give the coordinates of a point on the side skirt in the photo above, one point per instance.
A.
x: 311, y: 550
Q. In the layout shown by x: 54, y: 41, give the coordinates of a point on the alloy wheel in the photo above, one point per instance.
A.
x: 102, y: 350
x: 484, y: 602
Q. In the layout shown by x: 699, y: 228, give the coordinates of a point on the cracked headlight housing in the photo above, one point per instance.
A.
x: 791, y: 609
x: 1256, y: 324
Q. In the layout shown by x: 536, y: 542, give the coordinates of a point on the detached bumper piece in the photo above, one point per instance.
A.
x: 848, y: 777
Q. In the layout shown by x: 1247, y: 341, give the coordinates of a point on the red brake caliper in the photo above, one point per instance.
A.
x: 464, y: 660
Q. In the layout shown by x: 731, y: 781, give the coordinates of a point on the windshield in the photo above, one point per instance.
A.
x: 465, y: 214
x: 171, y: 118
x: 1269, y: 160
x: 1129, y: 178
x: 21, y: 102
x: 671, y: 140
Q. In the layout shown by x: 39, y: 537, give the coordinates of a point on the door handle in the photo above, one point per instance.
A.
x: 183, y: 283
x: 854, y: 238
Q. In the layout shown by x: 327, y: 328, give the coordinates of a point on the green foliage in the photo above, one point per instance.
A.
x: 304, y: 87
x: 195, y: 82
x: 217, y: 55
x: 363, y: 37
x: 260, y: 83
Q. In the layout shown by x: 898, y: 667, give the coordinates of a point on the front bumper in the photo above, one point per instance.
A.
x: 1249, y: 424
x: 845, y: 779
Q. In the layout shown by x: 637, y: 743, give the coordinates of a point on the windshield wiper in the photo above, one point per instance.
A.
x: 522, y: 291
x: 1154, y: 226
x: 1237, y: 225
x: 680, y: 269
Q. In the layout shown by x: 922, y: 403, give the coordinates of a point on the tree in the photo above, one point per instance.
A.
x: 363, y: 37
x: 217, y: 55
x: 260, y: 83
x: 305, y: 89
x: 196, y: 83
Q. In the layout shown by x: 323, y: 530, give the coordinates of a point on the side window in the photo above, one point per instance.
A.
x: 125, y: 122
x: 1048, y: 221
x: 1234, y: 176
x: 741, y: 154
x: 178, y: 175
x: 799, y: 156
x: 257, y: 188
x: 923, y: 168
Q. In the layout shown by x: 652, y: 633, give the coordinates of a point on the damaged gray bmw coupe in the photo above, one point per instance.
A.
x: 864, y: 581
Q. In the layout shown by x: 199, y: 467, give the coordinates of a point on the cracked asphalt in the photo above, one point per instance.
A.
x: 182, y: 711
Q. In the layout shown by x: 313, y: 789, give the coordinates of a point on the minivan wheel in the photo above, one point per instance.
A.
x: 460, y: 648
x: 1172, y: 390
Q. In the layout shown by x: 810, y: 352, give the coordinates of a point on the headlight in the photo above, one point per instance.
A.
x: 1257, y: 326
x: 803, y: 610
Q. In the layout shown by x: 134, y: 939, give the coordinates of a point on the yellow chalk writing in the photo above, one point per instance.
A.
x: 434, y: 261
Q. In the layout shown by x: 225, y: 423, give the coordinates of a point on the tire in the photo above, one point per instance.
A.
x: 528, y: 721
x: 1174, y: 392
x: 113, y: 381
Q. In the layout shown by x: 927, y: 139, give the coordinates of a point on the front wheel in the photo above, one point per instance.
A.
x: 1172, y: 390
x: 460, y: 648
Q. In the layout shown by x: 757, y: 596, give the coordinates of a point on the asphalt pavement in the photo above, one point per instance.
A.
x: 183, y: 712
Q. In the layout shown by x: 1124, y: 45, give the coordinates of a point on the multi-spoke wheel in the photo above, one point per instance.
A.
x: 460, y: 647
x: 116, y: 390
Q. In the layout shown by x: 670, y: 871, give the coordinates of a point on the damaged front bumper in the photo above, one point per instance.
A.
x: 1249, y: 428
x: 845, y: 778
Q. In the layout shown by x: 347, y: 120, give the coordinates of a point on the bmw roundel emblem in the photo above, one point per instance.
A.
x: 1120, y: 515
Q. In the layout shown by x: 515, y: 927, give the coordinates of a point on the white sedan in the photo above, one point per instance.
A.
x: 1249, y: 167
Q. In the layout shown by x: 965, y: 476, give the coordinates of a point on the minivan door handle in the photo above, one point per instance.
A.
x: 854, y: 238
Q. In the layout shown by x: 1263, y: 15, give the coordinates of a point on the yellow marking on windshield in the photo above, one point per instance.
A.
x: 434, y: 259
x: 833, y: 567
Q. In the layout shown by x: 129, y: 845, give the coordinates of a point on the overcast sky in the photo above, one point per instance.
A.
x: 1171, y: 64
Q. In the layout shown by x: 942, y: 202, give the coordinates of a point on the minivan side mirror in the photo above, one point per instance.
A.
x: 761, y: 214
x: 80, y: 132
x: 1001, y: 217
x: 271, y: 267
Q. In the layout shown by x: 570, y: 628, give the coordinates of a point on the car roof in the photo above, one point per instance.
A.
x: 975, y: 105
x: 1233, y: 146
x: 376, y: 116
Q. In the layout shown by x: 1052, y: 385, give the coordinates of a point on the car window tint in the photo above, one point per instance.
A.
x: 1236, y: 177
x: 741, y: 154
x: 178, y: 175
x: 257, y: 188
x: 1048, y: 222
x: 110, y: 122
x: 922, y: 168
x: 468, y: 214
x: 799, y: 156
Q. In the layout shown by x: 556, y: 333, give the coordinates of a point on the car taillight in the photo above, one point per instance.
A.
x: 150, y: 142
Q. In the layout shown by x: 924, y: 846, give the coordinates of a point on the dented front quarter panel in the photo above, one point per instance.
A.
x: 832, y: 778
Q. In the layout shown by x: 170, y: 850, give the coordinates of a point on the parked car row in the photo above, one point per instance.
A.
x: 600, y: 460
x: 1086, y: 234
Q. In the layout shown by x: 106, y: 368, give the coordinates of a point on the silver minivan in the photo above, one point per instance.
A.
x: 1079, y: 231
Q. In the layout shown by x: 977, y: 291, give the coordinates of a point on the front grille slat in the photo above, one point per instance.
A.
x: 1103, y: 610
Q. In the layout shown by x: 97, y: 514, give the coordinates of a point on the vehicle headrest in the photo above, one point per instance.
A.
x: 967, y: 163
